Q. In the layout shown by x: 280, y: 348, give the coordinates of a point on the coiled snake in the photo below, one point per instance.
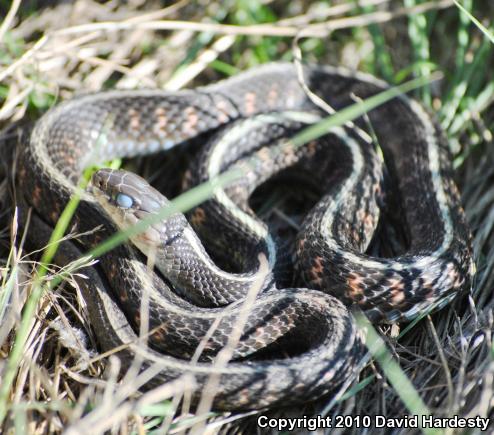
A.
x: 250, y: 114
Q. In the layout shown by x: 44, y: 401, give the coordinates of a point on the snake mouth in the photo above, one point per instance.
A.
x: 92, y: 189
x: 99, y: 180
x: 98, y: 194
x: 96, y: 186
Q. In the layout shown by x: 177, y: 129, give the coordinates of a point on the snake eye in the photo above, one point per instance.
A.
x: 124, y: 201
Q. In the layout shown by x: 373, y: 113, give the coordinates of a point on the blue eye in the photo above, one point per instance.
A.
x: 124, y: 201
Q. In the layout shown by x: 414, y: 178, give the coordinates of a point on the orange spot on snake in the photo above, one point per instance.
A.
x: 135, y: 119
x: 272, y: 96
x: 264, y: 154
x: 22, y: 173
x: 318, y: 265
x: 36, y: 196
x: 454, y: 277
x: 124, y: 297
x: 368, y: 220
x: 222, y: 112
x: 192, y: 120
x: 159, y: 335
x: 396, y: 288
x: 355, y: 287
x: 112, y: 273
x: 397, y: 296
x: 316, y: 271
x: 312, y: 148
x: 198, y: 217
x: 289, y: 155
x: 162, y: 120
x: 250, y: 103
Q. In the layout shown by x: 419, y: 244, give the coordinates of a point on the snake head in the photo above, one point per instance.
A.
x: 128, y: 198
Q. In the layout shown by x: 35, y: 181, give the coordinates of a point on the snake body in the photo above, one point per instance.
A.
x: 191, y: 295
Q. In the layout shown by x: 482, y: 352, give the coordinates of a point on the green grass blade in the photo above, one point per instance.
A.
x: 381, y: 56
x: 474, y: 20
x: 463, y: 39
x: 472, y: 75
x: 417, y: 29
x: 7, y: 289
x: 357, y: 388
x: 395, y: 375
x: 475, y: 105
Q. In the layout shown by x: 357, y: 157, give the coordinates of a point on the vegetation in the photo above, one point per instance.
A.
x: 51, y: 376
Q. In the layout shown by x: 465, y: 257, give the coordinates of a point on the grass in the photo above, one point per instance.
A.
x: 444, y: 364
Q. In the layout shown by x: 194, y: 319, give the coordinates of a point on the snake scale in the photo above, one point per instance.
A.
x: 298, y: 343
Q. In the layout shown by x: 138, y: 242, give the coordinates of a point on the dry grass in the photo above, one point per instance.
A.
x: 51, y: 53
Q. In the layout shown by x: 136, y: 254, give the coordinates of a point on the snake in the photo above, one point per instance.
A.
x: 299, y: 339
